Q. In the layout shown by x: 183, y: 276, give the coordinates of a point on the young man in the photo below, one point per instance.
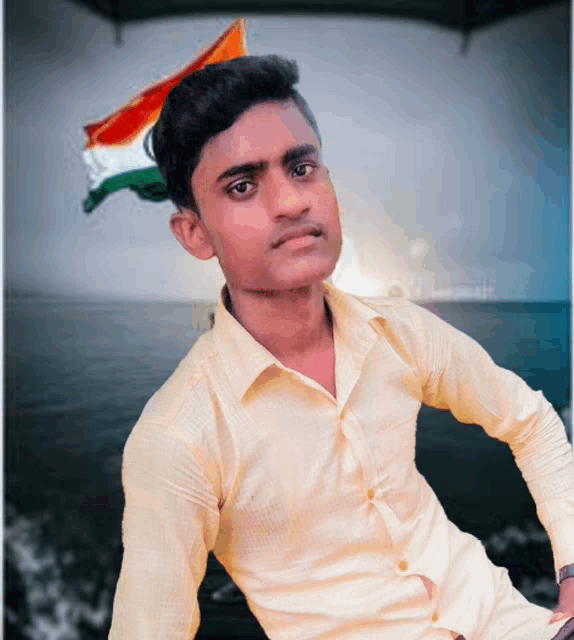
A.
x: 285, y: 440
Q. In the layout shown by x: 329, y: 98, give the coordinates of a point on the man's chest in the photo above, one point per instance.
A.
x: 299, y: 458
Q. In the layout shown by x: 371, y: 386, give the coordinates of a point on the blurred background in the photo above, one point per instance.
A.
x: 450, y: 157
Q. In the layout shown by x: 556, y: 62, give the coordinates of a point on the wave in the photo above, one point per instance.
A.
x: 502, y: 541
x: 527, y: 553
x: 43, y: 600
x: 56, y: 590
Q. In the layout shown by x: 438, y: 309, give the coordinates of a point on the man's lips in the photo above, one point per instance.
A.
x: 299, y: 232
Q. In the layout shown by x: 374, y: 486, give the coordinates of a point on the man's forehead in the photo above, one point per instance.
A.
x: 263, y: 133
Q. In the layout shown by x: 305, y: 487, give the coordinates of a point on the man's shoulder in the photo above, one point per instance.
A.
x: 396, y: 312
x: 417, y: 328
x: 186, y: 387
x: 385, y: 304
x: 175, y: 426
x: 408, y: 326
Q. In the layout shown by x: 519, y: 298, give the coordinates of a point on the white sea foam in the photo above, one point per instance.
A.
x: 56, y: 609
x: 500, y: 542
x: 541, y: 590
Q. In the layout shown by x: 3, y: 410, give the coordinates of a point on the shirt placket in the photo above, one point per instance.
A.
x: 373, y: 477
x: 352, y: 357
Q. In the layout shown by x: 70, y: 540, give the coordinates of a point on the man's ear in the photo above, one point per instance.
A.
x: 191, y: 234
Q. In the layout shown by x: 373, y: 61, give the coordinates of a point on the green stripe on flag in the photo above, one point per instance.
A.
x: 147, y: 183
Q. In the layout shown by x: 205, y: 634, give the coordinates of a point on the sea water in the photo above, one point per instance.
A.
x: 78, y: 374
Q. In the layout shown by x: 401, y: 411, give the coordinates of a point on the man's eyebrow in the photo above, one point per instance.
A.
x: 292, y: 155
x: 249, y: 167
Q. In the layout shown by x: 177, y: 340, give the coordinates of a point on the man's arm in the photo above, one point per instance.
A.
x: 170, y: 522
x: 462, y: 377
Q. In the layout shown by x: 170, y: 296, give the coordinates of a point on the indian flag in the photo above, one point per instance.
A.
x: 114, y: 151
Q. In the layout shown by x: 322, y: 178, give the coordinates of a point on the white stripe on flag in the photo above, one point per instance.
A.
x: 104, y: 162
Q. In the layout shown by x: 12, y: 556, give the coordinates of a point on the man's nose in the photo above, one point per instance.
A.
x: 287, y: 199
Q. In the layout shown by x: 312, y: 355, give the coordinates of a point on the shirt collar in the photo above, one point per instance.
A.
x: 244, y: 359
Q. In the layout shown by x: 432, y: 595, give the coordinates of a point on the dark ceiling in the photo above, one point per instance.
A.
x: 463, y: 15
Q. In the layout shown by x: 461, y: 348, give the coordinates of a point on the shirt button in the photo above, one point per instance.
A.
x: 434, y: 617
x: 403, y: 565
x: 370, y: 494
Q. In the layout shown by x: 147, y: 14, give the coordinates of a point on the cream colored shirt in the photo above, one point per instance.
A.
x: 314, y: 504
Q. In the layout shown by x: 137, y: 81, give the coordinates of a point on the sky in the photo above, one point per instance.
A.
x: 450, y: 169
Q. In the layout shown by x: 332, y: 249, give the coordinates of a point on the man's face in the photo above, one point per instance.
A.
x: 266, y: 202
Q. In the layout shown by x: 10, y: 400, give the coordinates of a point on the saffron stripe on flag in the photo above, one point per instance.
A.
x: 114, y: 151
x: 143, y: 110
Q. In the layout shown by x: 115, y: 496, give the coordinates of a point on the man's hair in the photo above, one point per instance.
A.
x: 209, y: 101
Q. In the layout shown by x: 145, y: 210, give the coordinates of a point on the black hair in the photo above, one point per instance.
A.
x: 209, y: 101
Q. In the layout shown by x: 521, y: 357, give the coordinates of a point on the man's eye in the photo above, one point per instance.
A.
x: 241, y: 188
x: 302, y: 170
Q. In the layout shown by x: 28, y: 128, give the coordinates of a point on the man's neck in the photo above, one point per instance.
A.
x: 290, y: 324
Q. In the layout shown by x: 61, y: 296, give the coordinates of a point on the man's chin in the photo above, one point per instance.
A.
x: 308, y: 274
x: 302, y: 282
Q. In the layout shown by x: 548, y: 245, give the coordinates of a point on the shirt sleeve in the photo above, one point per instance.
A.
x: 462, y: 377
x: 170, y: 522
